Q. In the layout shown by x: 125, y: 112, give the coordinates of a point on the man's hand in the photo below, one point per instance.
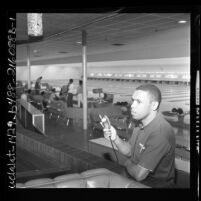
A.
x: 110, y: 132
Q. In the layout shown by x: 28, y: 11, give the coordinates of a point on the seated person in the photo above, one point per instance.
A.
x: 151, y: 148
x: 63, y: 93
x: 26, y: 95
x: 53, y: 95
x: 49, y: 97
x: 46, y: 100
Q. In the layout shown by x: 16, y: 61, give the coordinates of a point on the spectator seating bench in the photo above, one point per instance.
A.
x: 94, y: 178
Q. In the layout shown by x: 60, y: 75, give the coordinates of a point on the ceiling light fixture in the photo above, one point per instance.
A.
x: 182, y: 21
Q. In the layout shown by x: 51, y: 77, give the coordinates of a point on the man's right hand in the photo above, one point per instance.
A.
x: 110, y: 132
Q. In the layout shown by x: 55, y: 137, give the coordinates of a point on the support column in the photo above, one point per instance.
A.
x: 84, y: 70
x: 28, y: 67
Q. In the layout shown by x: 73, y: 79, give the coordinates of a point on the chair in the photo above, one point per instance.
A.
x: 61, y: 111
x: 75, y: 114
x: 57, y: 108
x: 98, y: 91
x: 37, y: 101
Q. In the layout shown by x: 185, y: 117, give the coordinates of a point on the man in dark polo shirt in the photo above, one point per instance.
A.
x: 151, y: 148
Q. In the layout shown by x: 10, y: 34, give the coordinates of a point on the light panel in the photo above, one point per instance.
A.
x: 35, y: 25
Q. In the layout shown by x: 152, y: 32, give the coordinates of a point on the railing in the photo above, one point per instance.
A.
x: 31, y: 117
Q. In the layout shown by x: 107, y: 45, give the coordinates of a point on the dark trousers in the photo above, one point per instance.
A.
x: 70, y: 100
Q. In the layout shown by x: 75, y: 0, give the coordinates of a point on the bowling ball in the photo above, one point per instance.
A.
x: 180, y: 111
x: 174, y: 110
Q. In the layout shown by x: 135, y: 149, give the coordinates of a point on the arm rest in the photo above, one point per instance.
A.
x: 95, y: 178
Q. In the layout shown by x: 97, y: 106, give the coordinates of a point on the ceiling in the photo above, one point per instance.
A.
x: 106, y: 32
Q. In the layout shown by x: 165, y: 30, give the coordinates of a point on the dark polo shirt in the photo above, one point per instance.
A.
x: 153, y: 148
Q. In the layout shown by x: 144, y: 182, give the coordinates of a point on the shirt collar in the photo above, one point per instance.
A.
x: 141, y: 127
x: 153, y: 123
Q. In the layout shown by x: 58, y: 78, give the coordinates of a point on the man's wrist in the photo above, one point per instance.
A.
x: 116, y: 139
x: 127, y: 163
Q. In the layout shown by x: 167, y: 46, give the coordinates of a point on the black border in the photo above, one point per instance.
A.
x: 140, y: 194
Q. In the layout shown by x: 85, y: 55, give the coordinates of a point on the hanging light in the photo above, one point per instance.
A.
x: 35, y: 25
x: 182, y: 21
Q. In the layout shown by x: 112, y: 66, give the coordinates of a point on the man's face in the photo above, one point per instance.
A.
x: 141, y: 106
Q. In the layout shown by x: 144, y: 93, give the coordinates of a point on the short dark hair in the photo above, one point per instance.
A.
x: 71, y: 80
x: 29, y: 91
x: 80, y: 82
x: 42, y: 93
x: 153, y: 90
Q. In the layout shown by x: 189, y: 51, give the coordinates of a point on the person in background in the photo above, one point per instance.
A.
x: 48, y: 97
x: 38, y: 85
x: 53, y: 95
x: 45, y: 100
x: 26, y: 95
x: 71, y: 92
x: 80, y: 94
x: 63, y: 93
x: 151, y: 149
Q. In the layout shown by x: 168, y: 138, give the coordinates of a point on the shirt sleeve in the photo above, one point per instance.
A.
x: 155, y: 149
x: 71, y: 89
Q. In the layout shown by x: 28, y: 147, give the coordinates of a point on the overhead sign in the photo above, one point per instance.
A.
x: 35, y: 25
